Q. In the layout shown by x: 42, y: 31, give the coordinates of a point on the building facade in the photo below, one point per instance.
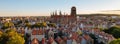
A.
x: 64, y: 18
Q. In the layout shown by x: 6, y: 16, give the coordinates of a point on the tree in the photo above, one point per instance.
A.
x: 1, y: 33
x: 11, y: 37
x: 51, y: 24
x: 7, y: 25
x: 27, y: 38
x: 16, y: 40
x: 28, y: 25
x: 117, y: 41
x: 39, y: 24
x: 115, y: 31
x: 3, y: 38
x: 18, y: 23
x: 44, y: 24
x: 14, y: 37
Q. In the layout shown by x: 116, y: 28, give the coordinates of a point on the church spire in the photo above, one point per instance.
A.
x: 53, y: 13
x: 56, y: 12
x: 60, y: 13
x: 64, y: 13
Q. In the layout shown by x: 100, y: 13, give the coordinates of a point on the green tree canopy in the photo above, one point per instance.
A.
x: 28, y: 25
x: 7, y: 25
x: 12, y: 37
x: 115, y: 31
x: 51, y: 24
x: 117, y: 41
x: 37, y: 25
x: 44, y: 24
x: 1, y: 33
x: 40, y: 24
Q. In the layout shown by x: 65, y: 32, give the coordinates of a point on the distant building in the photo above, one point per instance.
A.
x: 64, y: 18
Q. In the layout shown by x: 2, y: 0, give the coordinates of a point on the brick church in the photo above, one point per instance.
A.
x: 64, y: 18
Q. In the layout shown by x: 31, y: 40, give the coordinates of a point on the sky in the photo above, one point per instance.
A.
x: 45, y: 7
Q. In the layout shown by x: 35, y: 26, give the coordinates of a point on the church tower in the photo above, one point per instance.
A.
x: 73, y: 11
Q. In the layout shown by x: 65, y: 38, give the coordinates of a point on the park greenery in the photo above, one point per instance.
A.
x: 43, y: 24
x: 115, y: 31
x: 11, y: 37
x: 116, y: 41
x: 36, y: 25
x: 7, y: 25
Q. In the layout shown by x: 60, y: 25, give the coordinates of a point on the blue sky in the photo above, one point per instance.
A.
x: 45, y: 7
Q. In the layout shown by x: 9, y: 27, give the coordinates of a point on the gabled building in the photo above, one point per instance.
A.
x: 35, y: 41
x: 37, y: 34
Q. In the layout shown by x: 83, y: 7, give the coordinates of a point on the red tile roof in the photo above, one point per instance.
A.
x: 37, y: 32
x: 43, y: 40
x: 35, y: 41
x: 50, y: 40
x: 40, y: 32
x: 86, y: 37
x: 34, y: 32
x: 59, y: 40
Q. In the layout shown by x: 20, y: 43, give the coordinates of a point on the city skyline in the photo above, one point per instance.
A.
x: 45, y: 7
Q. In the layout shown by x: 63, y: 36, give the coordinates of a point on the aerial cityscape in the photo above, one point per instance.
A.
x: 62, y: 22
